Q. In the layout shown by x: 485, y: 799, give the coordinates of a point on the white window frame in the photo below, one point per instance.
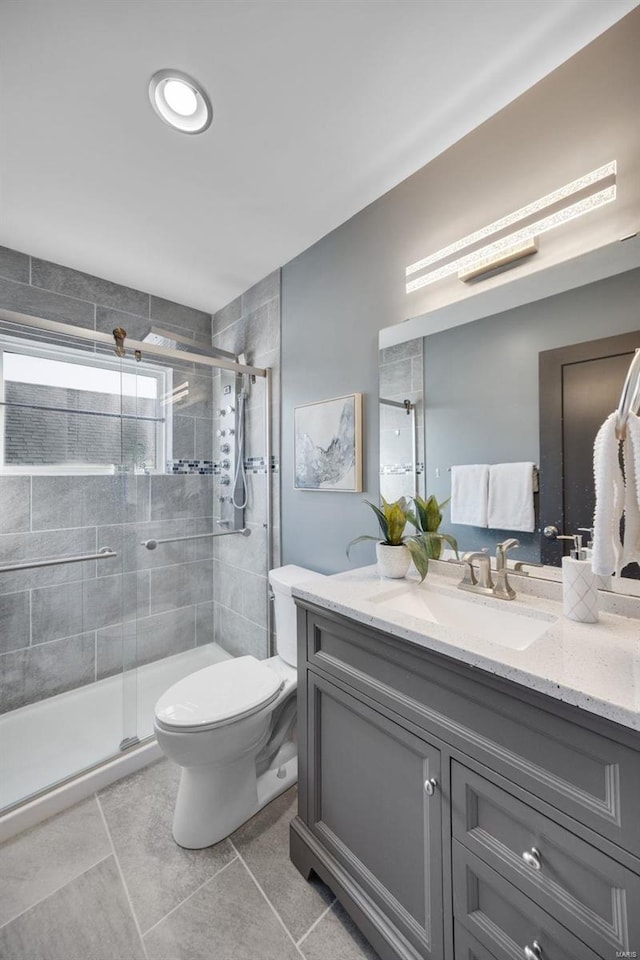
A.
x: 164, y: 425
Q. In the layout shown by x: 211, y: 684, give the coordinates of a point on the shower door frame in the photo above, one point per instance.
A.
x: 131, y: 743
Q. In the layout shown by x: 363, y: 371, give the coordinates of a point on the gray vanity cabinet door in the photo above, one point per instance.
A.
x: 373, y: 805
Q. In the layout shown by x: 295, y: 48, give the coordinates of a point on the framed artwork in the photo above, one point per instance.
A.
x: 328, y: 445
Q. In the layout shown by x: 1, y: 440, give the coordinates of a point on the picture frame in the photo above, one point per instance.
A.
x: 328, y: 445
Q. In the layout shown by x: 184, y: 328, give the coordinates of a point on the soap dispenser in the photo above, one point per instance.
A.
x: 579, y: 584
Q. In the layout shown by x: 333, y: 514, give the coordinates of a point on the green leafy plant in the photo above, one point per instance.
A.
x: 427, y: 519
x: 393, y: 519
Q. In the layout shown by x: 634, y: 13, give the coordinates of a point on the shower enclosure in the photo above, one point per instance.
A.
x: 131, y: 471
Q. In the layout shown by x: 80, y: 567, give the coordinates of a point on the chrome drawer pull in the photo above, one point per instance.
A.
x: 534, y: 952
x: 430, y: 786
x: 532, y: 858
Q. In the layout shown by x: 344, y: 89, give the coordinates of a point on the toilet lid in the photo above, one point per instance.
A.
x: 219, y: 693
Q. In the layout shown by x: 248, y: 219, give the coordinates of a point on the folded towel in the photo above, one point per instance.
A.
x: 610, y: 494
x: 469, y: 491
x: 631, y: 454
x: 511, y: 497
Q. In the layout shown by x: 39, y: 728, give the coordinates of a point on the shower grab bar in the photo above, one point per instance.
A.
x: 152, y: 544
x: 106, y: 553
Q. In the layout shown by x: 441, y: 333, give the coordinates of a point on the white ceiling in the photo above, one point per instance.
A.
x: 320, y: 106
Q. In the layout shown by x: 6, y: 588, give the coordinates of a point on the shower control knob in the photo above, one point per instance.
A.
x: 231, y: 432
x: 225, y: 448
x: 225, y: 480
x: 222, y: 412
x: 222, y: 499
x: 229, y: 409
x: 221, y: 433
x: 226, y: 464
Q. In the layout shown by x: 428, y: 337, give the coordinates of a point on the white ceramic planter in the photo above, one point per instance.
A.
x: 393, y: 562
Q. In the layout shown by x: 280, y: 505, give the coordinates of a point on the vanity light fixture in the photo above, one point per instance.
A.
x: 180, y: 101
x: 475, y: 257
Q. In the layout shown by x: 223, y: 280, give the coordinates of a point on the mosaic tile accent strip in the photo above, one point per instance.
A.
x: 399, y: 469
x: 191, y: 466
x: 257, y: 465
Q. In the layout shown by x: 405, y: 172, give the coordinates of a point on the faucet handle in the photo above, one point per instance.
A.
x: 519, y: 566
x: 483, y: 559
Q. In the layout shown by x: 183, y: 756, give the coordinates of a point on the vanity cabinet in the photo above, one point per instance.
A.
x: 456, y: 814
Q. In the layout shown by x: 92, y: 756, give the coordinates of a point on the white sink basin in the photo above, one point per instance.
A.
x: 507, y: 623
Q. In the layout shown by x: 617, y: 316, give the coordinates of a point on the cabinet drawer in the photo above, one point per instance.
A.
x: 586, y: 775
x: 503, y: 920
x: 467, y: 947
x: 585, y: 890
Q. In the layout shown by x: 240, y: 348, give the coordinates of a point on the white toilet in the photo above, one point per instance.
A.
x: 232, y: 729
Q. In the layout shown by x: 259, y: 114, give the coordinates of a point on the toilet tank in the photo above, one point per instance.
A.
x: 282, y: 579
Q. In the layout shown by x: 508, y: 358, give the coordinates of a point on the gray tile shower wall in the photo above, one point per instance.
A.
x: 401, y: 378
x: 62, y: 627
x: 250, y: 325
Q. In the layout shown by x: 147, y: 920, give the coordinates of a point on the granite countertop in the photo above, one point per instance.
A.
x: 593, y: 666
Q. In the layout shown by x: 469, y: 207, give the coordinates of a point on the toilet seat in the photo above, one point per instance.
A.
x: 217, y: 695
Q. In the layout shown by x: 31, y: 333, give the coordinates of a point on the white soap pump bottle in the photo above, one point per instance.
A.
x: 579, y: 584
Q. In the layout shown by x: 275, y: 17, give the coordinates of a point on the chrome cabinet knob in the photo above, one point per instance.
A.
x: 430, y: 786
x: 532, y: 858
x: 533, y: 952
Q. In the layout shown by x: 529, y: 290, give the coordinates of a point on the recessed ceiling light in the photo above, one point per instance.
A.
x: 180, y: 101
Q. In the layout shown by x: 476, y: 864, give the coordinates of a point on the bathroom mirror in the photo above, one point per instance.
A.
x: 478, y: 400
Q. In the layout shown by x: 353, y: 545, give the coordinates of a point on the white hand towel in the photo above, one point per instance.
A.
x: 631, y: 454
x: 469, y: 492
x: 609, y: 487
x: 511, y: 497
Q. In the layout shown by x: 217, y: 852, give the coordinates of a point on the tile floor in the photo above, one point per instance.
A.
x: 104, y: 880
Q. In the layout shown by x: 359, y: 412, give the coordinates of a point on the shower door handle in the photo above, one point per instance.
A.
x: 106, y: 553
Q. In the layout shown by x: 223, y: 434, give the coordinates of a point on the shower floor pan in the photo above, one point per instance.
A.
x: 61, y: 737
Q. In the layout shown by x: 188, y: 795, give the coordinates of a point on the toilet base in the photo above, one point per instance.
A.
x: 208, y: 809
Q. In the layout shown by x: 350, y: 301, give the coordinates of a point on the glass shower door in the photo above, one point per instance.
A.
x: 68, y: 604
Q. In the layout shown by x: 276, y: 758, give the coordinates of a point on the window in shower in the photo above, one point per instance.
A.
x: 64, y: 411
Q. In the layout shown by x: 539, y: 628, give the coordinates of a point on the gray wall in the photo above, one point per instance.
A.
x: 481, y: 384
x: 62, y: 627
x: 338, y: 294
x: 250, y: 325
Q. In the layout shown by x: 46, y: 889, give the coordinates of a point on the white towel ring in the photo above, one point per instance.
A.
x: 629, y: 398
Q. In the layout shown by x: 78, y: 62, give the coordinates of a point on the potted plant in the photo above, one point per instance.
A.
x: 427, y: 519
x: 396, y: 550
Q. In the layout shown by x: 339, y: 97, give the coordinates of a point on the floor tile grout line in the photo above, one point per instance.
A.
x: 192, y: 894
x: 316, y: 922
x: 121, y: 875
x: 57, y: 890
x: 277, y: 915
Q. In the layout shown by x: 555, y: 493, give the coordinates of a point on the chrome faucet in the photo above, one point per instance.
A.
x: 483, y: 582
x: 503, y: 588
